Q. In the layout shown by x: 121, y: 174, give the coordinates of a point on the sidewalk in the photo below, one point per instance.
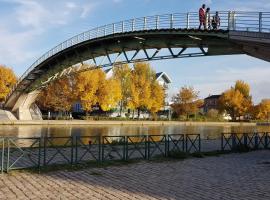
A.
x: 232, y: 176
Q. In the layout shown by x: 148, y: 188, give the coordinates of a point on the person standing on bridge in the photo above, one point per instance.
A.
x: 202, y: 16
x: 216, y: 21
x: 207, y: 19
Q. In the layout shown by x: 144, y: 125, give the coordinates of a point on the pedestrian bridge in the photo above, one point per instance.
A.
x: 141, y: 39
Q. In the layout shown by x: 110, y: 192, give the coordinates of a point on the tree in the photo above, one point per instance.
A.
x: 7, y: 80
x: 186, y: 102
x: 86, y: 86
x: 157, y: 97
x: 122, y: 73
x: 109, y: 94
x: 140, y: 91
x: 236, y: 101
x: 262, y: 110
x: 92, y: 88
x: 243, y: 88
x: 231, y: 101
x: 58, y: 96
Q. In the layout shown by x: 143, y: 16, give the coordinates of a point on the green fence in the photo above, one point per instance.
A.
x: 19, y: 153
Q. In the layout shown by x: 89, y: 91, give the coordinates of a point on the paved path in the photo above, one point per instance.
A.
x: 235, y: 176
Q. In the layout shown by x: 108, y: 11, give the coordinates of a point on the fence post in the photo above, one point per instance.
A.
x: 44, y: 149
x: 125, y: 153
x: 72, y: 149
x: 171, y: 24
x: 123, y: 26
x: 39, y: 153
x: 113, y: 28
x: 260, y: 21
x: 256, y: 140
x: 167, y: 145
x: 199, y: 142
x: 222, y: 142
x: 157, y: 22
x: 99, y: 148
x: 148, y: 147
x: 144, y: 23
x: 3, y: 155
x: 265, y: 140
x: 233, y: 141
x: 102, y: 148
x: 8, y: 154
x: 187, y: 20
x: 245, y: 139
x: 133, y: 25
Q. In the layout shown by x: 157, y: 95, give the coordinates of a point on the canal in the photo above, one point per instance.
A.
x: 206, y: 131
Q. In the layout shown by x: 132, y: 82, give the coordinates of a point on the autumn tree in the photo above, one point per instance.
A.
x: 109, y: 94
x: 57, y: 96
x: 186, y: 102
x: 92, y: 88
x: 157, y: 97
x: 145, y: 93
x: 7, y: 80
x: 122, y: 73
x: 262, y: 110
x: 236, y: 101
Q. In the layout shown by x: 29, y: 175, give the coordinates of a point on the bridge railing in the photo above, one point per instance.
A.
x: 230, y: 20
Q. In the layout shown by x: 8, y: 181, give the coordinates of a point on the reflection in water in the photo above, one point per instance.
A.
x: 206, y: 131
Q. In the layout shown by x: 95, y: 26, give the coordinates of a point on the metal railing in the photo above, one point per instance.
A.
x: 20, y: 153
x: 230, y: 20
x: 245, y: 141
x: 40, y: 152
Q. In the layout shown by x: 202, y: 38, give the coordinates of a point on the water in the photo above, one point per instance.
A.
x: 206, y: 131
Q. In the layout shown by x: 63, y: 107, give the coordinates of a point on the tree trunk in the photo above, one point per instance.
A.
x: 139, y: 113
x: 121, y: 108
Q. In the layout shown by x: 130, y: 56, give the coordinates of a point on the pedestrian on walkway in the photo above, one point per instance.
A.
x: 207, y: 19
x: 202, y: 16
x: 216, y: 21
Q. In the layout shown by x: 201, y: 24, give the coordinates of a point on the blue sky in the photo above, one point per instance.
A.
x: 28, y: 28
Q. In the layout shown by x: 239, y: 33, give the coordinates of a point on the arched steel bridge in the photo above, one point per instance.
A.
x: 143, y: 39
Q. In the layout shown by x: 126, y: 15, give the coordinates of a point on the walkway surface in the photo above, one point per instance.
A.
x: 234, y: 176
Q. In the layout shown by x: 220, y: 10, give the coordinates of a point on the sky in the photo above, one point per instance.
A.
x: 29, y: 28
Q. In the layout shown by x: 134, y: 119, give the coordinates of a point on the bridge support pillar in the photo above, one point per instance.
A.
x: 25, y: 108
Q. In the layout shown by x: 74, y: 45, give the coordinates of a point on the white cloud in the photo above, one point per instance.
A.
x: 29, y: 20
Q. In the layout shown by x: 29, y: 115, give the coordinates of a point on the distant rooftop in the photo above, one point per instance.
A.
x: 213, y: 97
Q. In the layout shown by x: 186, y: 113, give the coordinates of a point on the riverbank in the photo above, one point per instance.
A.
x: 88, y: 122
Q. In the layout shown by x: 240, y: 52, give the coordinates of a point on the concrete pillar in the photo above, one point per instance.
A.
x: 25, y: 108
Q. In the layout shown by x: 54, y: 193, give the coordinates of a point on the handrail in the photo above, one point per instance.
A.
x: 230, y: 20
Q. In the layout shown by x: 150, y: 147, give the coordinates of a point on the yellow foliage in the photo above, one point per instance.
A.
x: 58, y: 96
x: 142, y: 77
x: 157, y: 97
x: 262, y: 111
x: 86, y: 86
x: 109, y: 94
x: 92, y: 88
x: 7, y: 80
x: 186, y: 101
x: 237, y: 101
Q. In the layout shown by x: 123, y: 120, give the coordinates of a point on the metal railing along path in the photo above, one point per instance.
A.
x: 20, y: 153
x: 230, y: 20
